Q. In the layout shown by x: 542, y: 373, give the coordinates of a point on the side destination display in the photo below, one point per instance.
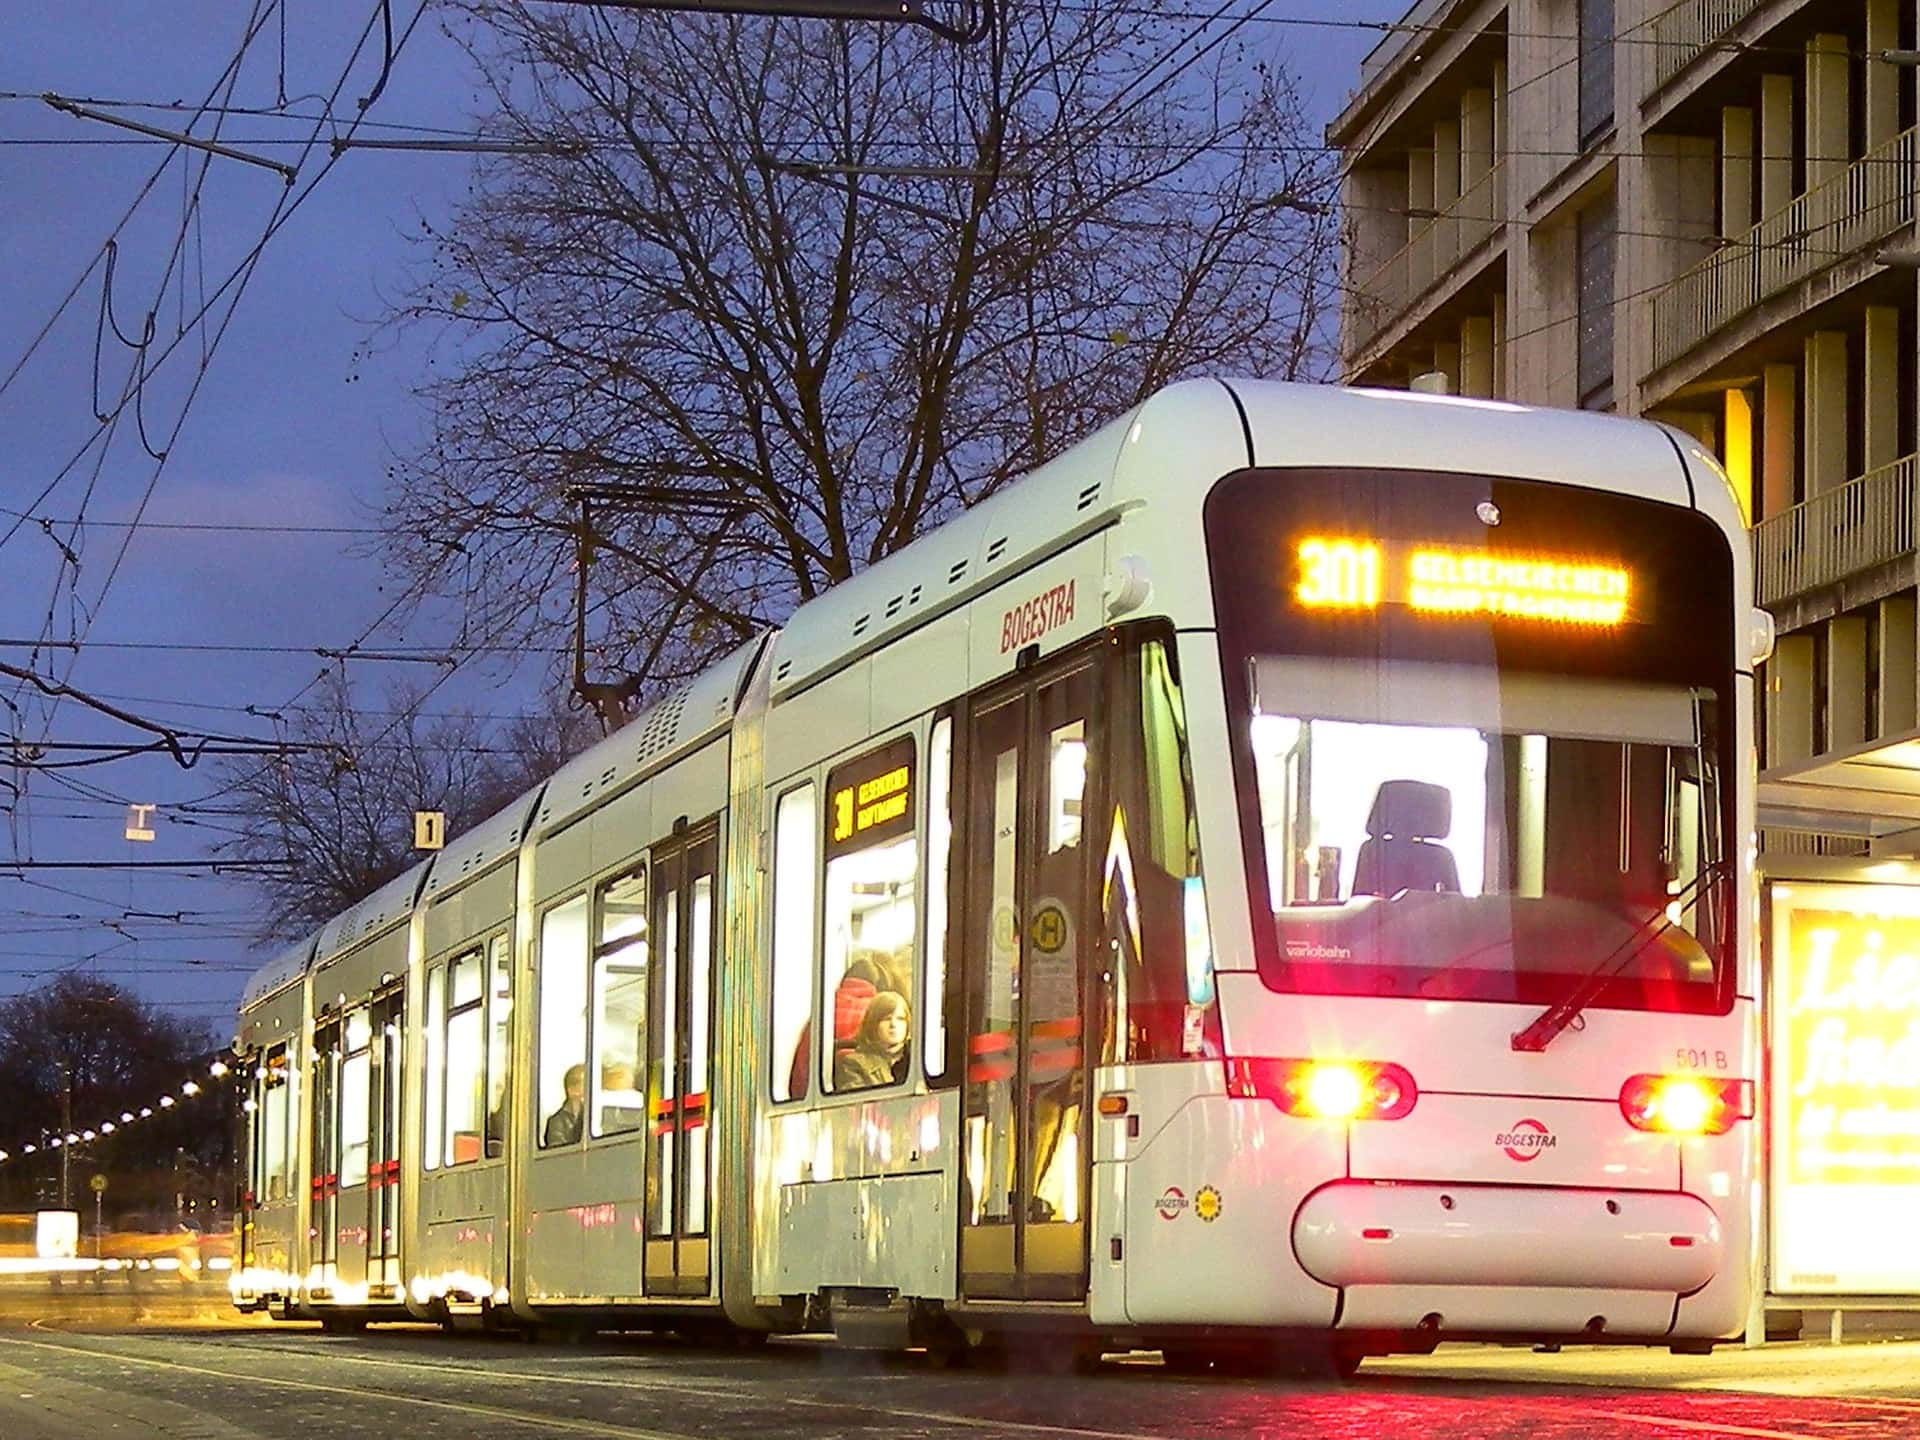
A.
x: 871, y: 799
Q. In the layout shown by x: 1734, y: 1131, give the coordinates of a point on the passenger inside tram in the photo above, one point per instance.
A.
x: 564, y: 1125
x: 497, y: 1119
x: 872, y: 977
x: 622, y: 1107
x: 878, y: 1055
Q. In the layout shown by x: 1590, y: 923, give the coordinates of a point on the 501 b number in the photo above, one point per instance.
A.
x: 1685, y: 1059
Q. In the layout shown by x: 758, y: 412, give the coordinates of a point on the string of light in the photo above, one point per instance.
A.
x: 224, y: 1067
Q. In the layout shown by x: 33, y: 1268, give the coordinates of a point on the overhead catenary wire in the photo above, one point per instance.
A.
x: 96, y: 644
x: 138, y: 370
x: 287, y: 204
x: 236, y: 281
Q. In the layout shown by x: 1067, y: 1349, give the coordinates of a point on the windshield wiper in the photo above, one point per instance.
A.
x: 1551, y: 1021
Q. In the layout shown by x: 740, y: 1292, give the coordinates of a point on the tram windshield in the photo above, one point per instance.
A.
x: 1482, y: 735
x: 1448, y: 831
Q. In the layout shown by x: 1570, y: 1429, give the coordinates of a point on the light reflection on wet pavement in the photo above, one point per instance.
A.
x: 179, y: 1366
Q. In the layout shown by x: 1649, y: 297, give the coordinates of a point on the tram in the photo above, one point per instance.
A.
x: 1279, y: 875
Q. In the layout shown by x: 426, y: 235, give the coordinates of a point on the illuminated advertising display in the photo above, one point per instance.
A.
x: 1845, y: 1081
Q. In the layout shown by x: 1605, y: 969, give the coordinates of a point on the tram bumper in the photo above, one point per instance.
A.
x: 1505, y: 1259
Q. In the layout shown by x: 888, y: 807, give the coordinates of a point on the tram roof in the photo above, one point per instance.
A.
x: 482, y: 847
x: 1054, y: 505
x: 384, y: 907
x: 278, y: 973
x: 1237, y: 422
x: 1326, y: 425
x: 695, y: 712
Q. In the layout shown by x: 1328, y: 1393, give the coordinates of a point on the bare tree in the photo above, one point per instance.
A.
x: 793, y: 290
x: 339, y: 807
x: 79, y: 1051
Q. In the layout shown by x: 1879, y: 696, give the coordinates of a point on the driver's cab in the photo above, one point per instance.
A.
x: 1438, y: 820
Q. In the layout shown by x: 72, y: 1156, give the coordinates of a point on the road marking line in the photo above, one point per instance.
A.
x: 490, y: 1412
x: 1713, y: 1427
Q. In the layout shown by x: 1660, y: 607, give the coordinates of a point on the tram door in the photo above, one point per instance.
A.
x: 1033, y: 778
x: 323, y: 1227
x: 686, y: 924
x: 383, y: 1162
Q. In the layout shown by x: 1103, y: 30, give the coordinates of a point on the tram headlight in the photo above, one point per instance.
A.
x: 1325, y: 1089
x: 1685, y: 1104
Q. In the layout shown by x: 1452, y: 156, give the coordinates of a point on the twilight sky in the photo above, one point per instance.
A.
x: 248, y: 557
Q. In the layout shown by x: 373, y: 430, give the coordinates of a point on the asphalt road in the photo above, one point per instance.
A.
x: 176, y: 1365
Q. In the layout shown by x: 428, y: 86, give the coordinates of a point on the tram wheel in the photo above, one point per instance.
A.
x: 1317, y: 1359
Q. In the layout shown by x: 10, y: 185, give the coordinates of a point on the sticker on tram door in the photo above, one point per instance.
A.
x: 1171, y: 1202
x: 1207, y: 1204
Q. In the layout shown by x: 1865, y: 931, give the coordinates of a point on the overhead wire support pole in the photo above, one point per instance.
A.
x: 174, y: 137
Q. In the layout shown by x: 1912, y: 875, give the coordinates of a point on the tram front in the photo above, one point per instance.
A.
x: 1489, y: 1072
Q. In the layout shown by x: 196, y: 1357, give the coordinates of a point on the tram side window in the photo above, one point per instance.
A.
x: 1152, y: 892
x: 434, y: 1104
x: 795, y: 856
x: 272, y: 1116
x: 356, y: 1098
x: 324, y: 1101
x: 563, y: 1023
x: 620, y: 1006
x: 870, y: 917
x: 466, y: 1058
x: 499, y: 1041
x: 469, y: 1008
x: 933, y: 1007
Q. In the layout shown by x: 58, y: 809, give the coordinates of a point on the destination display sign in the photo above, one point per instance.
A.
x: 871, y: 799
x: 1360, y: 573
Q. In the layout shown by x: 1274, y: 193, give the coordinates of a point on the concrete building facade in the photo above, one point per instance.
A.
x: 1704, y: 213
x: 1701, y: 212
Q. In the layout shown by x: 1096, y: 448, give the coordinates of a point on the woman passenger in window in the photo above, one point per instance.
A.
x: 879, y: 1053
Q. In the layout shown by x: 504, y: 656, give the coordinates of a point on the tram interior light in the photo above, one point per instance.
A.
x: 1685, y: 1104
x: 1325, y: 1089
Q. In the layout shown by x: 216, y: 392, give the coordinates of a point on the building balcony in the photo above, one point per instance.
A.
x: 1437, y: 252
x: 1867, y: 202
x: 1690, y: 29
x: 1866, y: 522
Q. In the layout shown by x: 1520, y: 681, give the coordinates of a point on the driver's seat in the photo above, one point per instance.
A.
x: 1402, y: 852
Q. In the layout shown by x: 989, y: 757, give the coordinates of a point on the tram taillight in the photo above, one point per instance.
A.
x: 1325, y: 1089
x: 1685, y: 1104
